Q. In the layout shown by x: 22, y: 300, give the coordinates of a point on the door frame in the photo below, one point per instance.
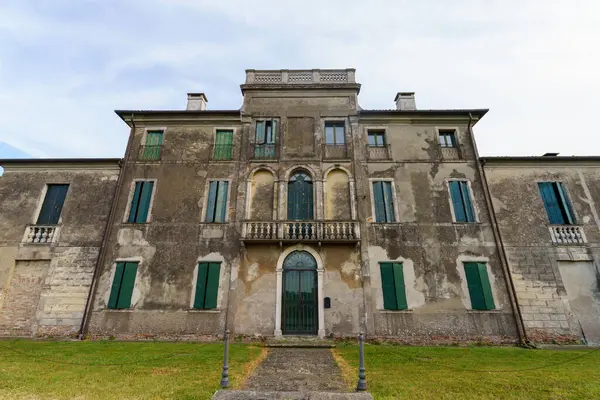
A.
x: 279, y: 292
x: 313, y: 283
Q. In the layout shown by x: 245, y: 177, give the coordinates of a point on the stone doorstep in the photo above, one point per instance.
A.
x: 253, y: 395
x: 300, y: 342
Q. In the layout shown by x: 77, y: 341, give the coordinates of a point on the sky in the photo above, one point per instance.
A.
x: 65, y: 65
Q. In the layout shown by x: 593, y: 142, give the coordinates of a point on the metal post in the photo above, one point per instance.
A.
x: 362, y: 381
x: 225, y: 373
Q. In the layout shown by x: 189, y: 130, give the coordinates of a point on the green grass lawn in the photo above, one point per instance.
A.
x: 149, y: 370
x: 441, y: 373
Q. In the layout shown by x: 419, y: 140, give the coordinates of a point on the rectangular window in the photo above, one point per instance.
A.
x: 52, y: 205
x: 216, y: 207
x: 376, y: 138
x: 479, y: 286
x: 447, y: 138
x: 392, y: 285
x: 151, y: 150
x: 557, y: 203
x: 461, y: 201
x: 265, y: 137
x: 140, y: 203
x: 207, y: 285
x: 223, y: 145
x: 122, y: 287
x: 334, y: 133
x: 384, y: 201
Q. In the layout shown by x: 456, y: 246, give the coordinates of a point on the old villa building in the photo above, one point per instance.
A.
x: 301, y: 213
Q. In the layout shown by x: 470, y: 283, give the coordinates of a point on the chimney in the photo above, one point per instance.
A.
x: 405, y: 101
x: 196, y: 102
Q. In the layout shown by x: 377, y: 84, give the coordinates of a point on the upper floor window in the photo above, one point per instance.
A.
x: 216, y: 206
x: 52, y: 205
x: 461, y: 201
x: 151, y: 149
x: 334, y: 133
x: 376, y: 138
x: 207, y: 285
x: 392, y: 285
x: 123, y: 284
x: 479, y: 286
x: 140, y: 202
x: 266, y: 134
x: 223, y: 145
x: 557, y: 203
x: 300, y: 197
x: 447, y: 138
x: 383, y: 201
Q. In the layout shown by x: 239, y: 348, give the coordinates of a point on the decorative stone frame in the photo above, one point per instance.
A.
x: 279, y: 291
x: 42, y: 197
x: 234, y: 154
x: 205, y: 200
x: 576, y: 218
x: 351, y: 190
x: 130, y: 198
x: 317, y: 192
x: 466, y: 296
x: 214, y: 258
x: 473, y: 202
x: 136, y: 293
x: 372, y: 219
x: 275, y: 189
x: 447, y: 128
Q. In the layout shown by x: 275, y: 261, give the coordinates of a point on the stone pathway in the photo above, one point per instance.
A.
x: 297, y: 370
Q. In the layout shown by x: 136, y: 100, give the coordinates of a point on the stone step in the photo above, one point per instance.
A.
x: 300, y: 342
x: 254, y: 395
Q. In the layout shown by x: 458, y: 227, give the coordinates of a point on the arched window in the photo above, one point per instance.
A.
x: 300, y: 197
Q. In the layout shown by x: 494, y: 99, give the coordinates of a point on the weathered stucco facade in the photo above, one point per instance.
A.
x: 280, y: 218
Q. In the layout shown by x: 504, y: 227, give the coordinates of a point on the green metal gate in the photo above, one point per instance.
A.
x: 299, y: 294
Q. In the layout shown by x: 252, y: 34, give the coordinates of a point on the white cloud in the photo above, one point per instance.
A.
x: 533, y: 63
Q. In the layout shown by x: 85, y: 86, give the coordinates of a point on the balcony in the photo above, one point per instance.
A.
x: 263, y: 152
x: 301, y: 231
x: 335, y: 151
x: 450, y: 153
x: 40, y: 234
x: 300, y: 76
x: 149, y: 153
x: 567, y: 234
x: 375, y: 153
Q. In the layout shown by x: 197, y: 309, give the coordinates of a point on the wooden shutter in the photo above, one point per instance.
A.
x: 474, y: 285
x: 388, y: 286
x: 212, y: 285
x: 388, y: 198
x: 52, y: 205
x: 271, y: 140
x: 457, y: 202
x: 221, y: 202
x: 551, y: 203
x: 135, y: 201
x: 260, y: 132
x: 566, y: 205
x: 210, y: 204
x: 486, y: 287
x: 154, y: 138
x: 116, y: 285
x: 223, y: 145
x: 468, y: 206
x: 292, y: 200
x: 399, y: 286
x: 145, y: 197
x: 201, y: 285
x: 378, y: 199
x: 127, y: 284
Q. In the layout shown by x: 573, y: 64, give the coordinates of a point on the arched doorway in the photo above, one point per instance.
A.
x: 299, y: 294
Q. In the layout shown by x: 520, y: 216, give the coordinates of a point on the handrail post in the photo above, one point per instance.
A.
x: 225, y: 373
x: 362, y: 378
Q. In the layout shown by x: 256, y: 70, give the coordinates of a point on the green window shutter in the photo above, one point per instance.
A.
x: 486, y: 287
x: 457, y: 202
x: 399, y: 286
x: 154, y: 138
x: 271, y: 140
x: 474, y: 285
x: 260, y: 132
x: 551, y: 203
x: 223, y: 145
x: 221, y: 202
x: 210, y: 204
x: 388, y: 286
x: 52, y: 205
x: 201, y: 285
x: 379, y: 201
x: 133, y: 209
x: 145, y: 197
x: 124, y: 300
x: 292, y: 203
x: 116, y: 285
x: 212, y: 285
x: 466, y: 197
x: 389, y: 202
x: 566, y: 205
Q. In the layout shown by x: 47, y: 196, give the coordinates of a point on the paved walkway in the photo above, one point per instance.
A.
x: 297, y: 370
